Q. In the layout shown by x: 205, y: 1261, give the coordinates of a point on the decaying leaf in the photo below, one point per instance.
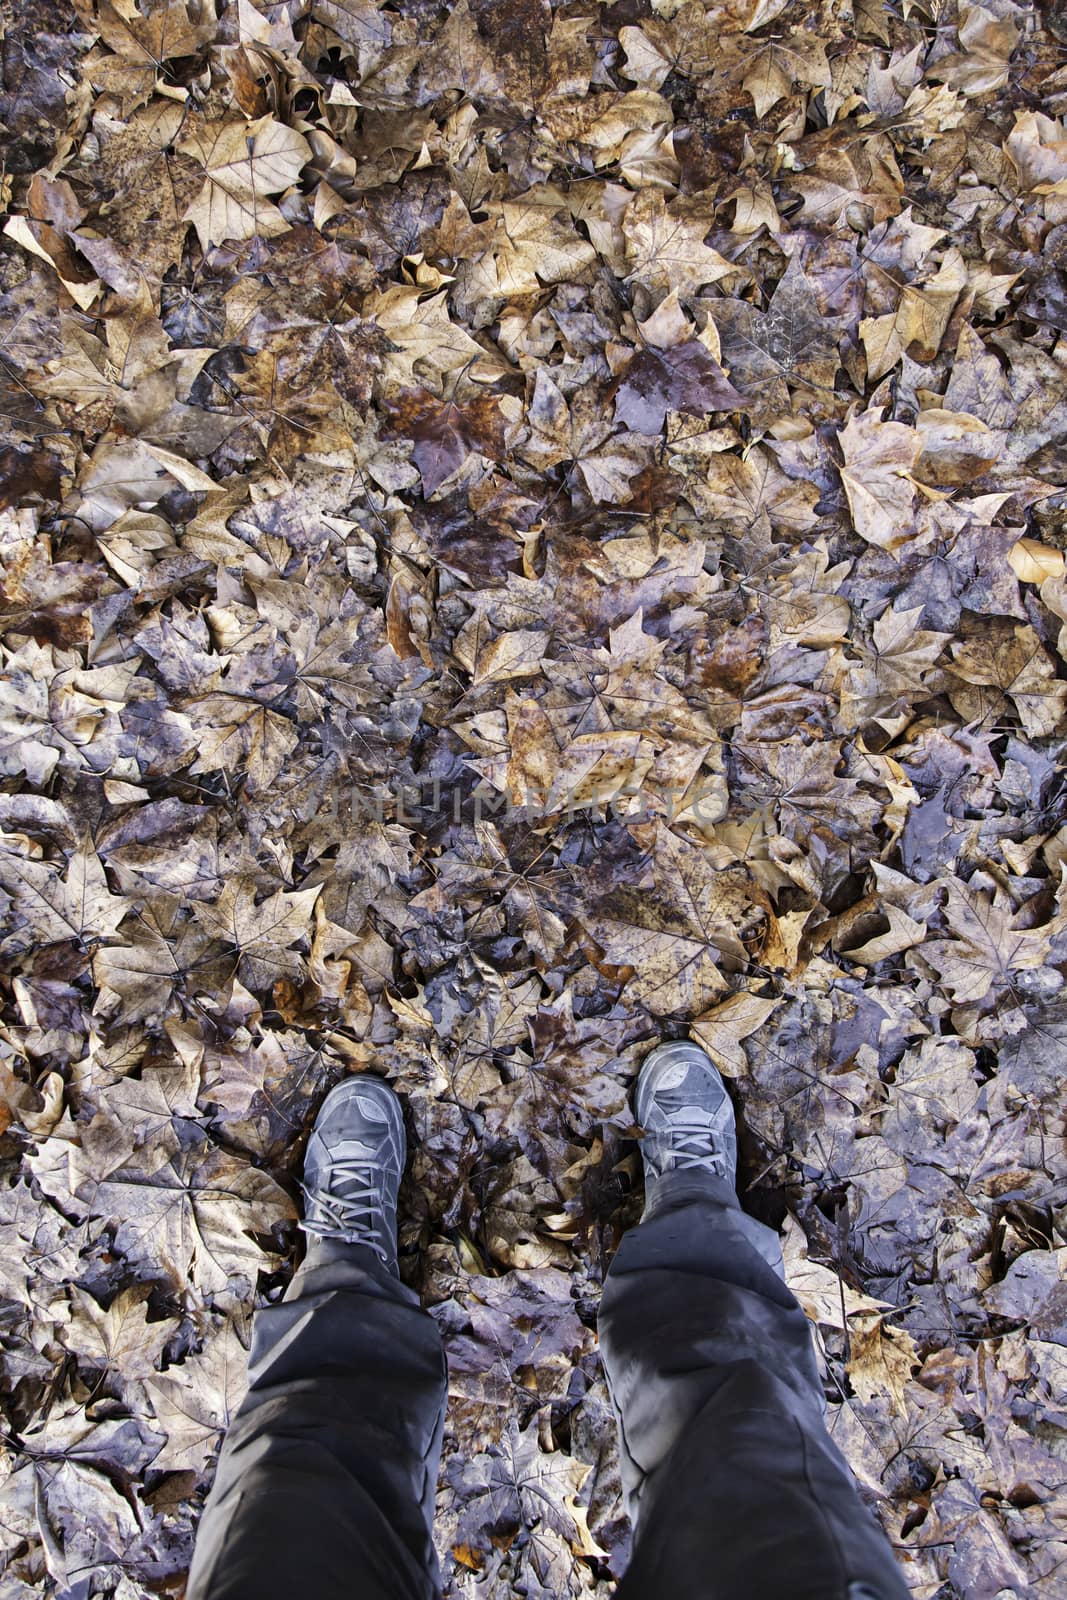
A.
x: 877, y: 475
x: 243, y: 163
x: 526, y: 529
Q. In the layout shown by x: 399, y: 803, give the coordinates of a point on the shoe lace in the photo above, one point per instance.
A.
x: 352, y: 1214
x: 688, y: 1142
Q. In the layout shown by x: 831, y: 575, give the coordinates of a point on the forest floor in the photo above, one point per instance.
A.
x: 528, y: 528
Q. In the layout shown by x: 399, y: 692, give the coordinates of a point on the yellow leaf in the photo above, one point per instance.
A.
x: 1033, y: 562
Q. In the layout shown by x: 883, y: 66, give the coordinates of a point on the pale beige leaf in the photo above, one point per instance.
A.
x: 1033, y: 562
x: 512, y: 655
x: 645, y: 62
x: 881, y: 1359
x: 120, y: 1338
x: 263, y: 933
x: 903, y: 934
x: 243, y: 163
x: 79, y: 905
x: 722, y: 1029
x: 533, y: 243
x: 666, y: 248
x: 429, y: 345
x: 879, y: 458
x: 195, y: 1400
x: 824, y: 1295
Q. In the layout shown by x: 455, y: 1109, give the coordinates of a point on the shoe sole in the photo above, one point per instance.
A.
x: 656, y: 1064
x: 382, y: 1092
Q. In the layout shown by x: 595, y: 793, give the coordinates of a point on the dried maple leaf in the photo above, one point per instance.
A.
x: 527, y: 242
x: 142, y: 41
x: 118, y: 1339
x: 261, y: 934
x: 195, y: 1400
x: 428, y: 345
x: 79, y: 1512
x: 684, y: 39
x: 679, y: 934
x: 517, y: 1488
x: 877, y: 475
x: 1032, y: 1292
x: 856, y: 175
x: 238, y: 733
x: 579, y: 434
x: 802, y: 786
x: 475, y: 868
x: 512, y: 655
x: 445, y: 433
x: 1011, y: 660
x: 665, y: 245
x: 566, y: 1084
x: 686, y: 378
x: 956, y: 447
x: 187, y: 1211
x: 935, y: 1087
x: 887, y: 680
x: 243, y: 163
x: 516, y: 1332
x: 918, y: 325
x: 722, y: 1029
x: 44, y: 242
x: 986, y: 954
x: 793, y: 342
x: 79, y: 905
x: 739, y: 488
x: 822, y: 1292
x: 1033, y: 562
x: 615, y: 726
x: 780, y: 63
x: 160, y: 946
x: 456, y: 53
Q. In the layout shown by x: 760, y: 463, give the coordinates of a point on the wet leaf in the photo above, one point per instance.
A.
x: 526, y: 528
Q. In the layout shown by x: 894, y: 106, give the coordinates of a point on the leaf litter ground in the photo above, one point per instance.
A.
x: 527, y: 528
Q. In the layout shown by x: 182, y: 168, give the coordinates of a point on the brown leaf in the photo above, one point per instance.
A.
x: 445, y: 433
x: 680, y: 937
x: 684, y: 379
x: 879, y: 460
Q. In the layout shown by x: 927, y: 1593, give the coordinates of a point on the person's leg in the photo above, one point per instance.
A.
x: 326, y: 1479
x: 734, y: 1487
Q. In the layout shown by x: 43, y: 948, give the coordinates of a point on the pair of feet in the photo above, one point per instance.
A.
x: 356, y: 1153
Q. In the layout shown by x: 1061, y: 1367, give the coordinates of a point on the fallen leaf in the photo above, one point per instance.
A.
x: 879, y: 461
x: 243, y: 163
x: 1033, y: 562
x: 686, y: 380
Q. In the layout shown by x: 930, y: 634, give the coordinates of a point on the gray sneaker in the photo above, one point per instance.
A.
x: 683, y: 1107
x: 353, y: 1166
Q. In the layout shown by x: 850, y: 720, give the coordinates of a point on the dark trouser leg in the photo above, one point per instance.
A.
x: 734, y: 1486
x: 327, y: 1475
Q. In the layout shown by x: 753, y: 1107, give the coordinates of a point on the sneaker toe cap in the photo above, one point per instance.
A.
x: 364, y: 1108
x: 685, y: 1071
